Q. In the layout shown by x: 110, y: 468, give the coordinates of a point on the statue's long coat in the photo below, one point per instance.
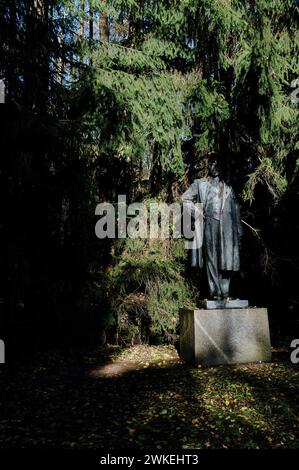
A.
x: 230, y: 225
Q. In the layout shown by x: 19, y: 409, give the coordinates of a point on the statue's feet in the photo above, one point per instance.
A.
x: 217, y: 297
x: 222, y: 297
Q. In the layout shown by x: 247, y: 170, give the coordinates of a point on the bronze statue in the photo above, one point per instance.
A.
x: 221, y: 230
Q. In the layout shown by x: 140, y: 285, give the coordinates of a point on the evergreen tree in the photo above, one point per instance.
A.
x: 122, y: 96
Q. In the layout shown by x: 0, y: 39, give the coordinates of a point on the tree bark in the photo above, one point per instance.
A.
x: 36, y: 66
x: 104, y: 25
x: 81, y: 21
x: 90, y: 22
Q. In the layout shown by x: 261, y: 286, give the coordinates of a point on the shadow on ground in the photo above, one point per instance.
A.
x: 146, y: 398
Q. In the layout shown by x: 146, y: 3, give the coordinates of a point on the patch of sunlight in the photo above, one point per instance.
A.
x: 115, y: 369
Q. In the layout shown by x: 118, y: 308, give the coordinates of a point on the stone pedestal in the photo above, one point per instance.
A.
x: 221, y: 304
x: 224, y: 336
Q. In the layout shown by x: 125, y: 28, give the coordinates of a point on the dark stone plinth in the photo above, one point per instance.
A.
x: 221, y: 304
x: 224, y: 336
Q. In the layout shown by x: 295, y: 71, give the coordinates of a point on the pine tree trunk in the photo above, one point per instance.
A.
x: 36, y: 67
x: 90, y: 30
x: 104, y: 25
x: 11, y: 78
x: 81, y: 21
x: 90, y: 23
x: 61, y: 54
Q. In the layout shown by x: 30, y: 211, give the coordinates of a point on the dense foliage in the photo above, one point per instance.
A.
x: 108, y: 97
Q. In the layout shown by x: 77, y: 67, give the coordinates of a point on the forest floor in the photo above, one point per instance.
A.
x: 145, y: 397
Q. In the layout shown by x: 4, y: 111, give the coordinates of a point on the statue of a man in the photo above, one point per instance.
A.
x: 221, y: 230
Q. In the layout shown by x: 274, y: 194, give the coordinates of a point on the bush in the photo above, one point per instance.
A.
x: 147, y: 286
